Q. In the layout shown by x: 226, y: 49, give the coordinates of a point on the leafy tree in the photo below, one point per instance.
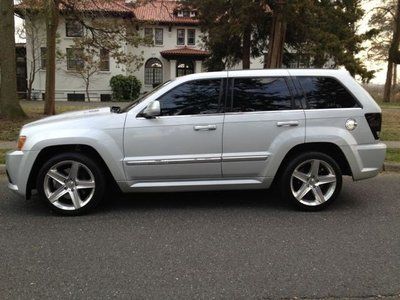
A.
x: 235, y: 29
x: 9, y: 105
x: 316, y: 30
x: 385, y: 46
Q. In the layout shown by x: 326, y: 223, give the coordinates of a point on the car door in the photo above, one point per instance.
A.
x: 185, y: 141
x: 262, y: 122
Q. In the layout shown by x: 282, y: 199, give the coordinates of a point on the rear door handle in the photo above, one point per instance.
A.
x: 287, y: 124
x: 204, y: 127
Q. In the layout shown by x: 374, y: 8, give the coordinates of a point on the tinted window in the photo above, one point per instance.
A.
x: 261, y: 94
x: 326, y: 92
x: 192, y: 98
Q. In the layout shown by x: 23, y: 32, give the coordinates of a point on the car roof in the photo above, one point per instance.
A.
x: 265, y: 72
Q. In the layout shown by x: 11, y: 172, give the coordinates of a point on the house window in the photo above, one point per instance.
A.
x: 158, y: 36
x: 148, y: 33
x: 180, y: 37
x: 191, y: 39
x: 184, y: 68
x: 153, y: 72
x: 43, y: 57
x: 73, y: 28
x: 74, y: 59
x: 104, y: 60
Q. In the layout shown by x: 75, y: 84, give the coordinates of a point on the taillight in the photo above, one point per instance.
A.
x: 375, y: 122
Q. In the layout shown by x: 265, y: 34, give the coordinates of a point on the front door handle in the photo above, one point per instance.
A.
x: 204, y: 127
x: 287, y: 124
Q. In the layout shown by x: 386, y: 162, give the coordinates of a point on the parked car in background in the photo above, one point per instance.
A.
x: 301, y: 130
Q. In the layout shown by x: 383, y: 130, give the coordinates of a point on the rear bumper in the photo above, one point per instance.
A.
x: 18, y: 167
x: 365, y: 161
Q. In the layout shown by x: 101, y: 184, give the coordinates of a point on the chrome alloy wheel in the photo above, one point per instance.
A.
x: 69, y: 185
x: 313, y: 182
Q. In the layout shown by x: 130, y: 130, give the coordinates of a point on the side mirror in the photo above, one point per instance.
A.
x: 152, y: 110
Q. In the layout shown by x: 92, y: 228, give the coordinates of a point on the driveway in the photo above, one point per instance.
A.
x: 205, y: 245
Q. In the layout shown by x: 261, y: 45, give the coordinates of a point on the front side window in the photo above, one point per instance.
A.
x: 181, y: 37
x: 191, y: 36
x: 43, y: 57
x: 326, y: 92
x: 192, y: 98
x: 260, y: 94
x: 74, y: 59
x: 153, y: 72
x: 104, y: 60
x: 73, y: 28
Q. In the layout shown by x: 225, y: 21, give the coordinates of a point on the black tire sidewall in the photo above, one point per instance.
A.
x: 285, y: 188
x: 89, y: 163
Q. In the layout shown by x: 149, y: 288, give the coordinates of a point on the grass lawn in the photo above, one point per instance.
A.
x: 393, y: 155
x: 2, y: 156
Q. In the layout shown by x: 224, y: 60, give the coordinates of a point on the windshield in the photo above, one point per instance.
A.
x: 144, y: 97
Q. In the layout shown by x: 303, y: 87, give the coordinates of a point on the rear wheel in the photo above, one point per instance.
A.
x: 71, y: 183
x: 311, y: 181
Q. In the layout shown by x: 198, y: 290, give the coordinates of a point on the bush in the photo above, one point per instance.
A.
x: 125, y: 88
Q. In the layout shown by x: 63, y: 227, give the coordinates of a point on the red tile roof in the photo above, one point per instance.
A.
x: 160, y: 11
x: 184, y: 51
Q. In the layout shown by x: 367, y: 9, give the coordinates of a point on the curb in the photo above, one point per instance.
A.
x: 391, y: 167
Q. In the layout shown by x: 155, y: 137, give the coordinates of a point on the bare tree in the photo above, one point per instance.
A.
x: 32, y: 30
x: 9, y: 105
x: 104, y: 28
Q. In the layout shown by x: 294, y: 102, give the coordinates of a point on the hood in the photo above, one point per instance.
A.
x: 76, y: 115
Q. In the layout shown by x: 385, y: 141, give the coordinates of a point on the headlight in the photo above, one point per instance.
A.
x: 21, y: 142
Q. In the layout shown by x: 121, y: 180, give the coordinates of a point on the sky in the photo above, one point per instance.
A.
x: 368, y: 6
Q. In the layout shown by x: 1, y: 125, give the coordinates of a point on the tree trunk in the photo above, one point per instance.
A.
x: 246, y: 48
x: 394, y: 84
x: 9, y: 104
x: 276, y: 37
x: 388, y: 84
x: 51, y: 34
x: 393, y: 56
x: 87, y: 90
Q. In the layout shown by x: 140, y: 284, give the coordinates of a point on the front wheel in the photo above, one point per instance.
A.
x: 311, y: 181
x: 71, y: 183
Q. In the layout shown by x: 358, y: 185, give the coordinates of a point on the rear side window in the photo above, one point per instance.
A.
x: 326, y: 92
x: 260, y: 94
x: 192, y: 98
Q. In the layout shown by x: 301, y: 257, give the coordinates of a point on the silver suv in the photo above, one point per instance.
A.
x: 300, y: 130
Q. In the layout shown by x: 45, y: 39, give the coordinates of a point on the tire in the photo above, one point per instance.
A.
x: 71, y: 183
x: 311, y: 181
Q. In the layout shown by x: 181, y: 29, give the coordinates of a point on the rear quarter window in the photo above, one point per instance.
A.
x: 325, y: 93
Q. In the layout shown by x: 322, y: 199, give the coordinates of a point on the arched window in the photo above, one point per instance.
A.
x: 184, y: 68
x: 153, y: 72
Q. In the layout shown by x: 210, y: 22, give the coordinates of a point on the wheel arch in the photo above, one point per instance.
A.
x: 330, y: 149
x: 49, y: 151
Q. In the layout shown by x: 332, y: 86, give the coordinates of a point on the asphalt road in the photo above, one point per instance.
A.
x: 205, y: 245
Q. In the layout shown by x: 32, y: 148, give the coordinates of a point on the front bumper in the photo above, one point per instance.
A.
x: 365, y: 161
x: 18, y: 167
